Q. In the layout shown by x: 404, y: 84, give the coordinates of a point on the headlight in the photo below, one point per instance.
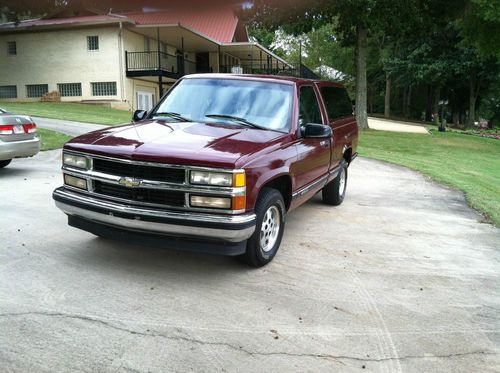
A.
x: 211, y: 202
x: 211, y: 178
x: 76, y: 182
x: 74, y: 161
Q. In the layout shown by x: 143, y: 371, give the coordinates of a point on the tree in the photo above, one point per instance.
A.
x: 353, y: 21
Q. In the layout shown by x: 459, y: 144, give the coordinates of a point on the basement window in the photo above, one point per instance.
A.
x: 104, y: 89
x: 70, y: 89
x: 36, y: 90
x: 93, y: 43
x: 8, y: 91
x: 11, y: 48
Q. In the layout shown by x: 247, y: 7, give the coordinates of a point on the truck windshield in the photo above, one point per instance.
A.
x: 255, y: 104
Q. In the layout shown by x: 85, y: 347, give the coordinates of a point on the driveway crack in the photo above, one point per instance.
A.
x: 240, y: 348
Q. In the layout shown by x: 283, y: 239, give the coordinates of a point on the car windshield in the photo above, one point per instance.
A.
x: 261, y: 105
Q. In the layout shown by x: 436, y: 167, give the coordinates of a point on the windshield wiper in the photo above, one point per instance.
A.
x: 172, y: 115
x: 237, y: 119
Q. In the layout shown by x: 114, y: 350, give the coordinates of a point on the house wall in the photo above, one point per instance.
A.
x: 61, y: 56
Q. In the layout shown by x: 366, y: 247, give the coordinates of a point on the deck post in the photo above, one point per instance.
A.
x: 160, y: 83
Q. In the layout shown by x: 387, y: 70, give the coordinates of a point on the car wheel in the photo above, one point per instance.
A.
x: 5, y: 163
x: 270, y: 224
x: 334, y: 192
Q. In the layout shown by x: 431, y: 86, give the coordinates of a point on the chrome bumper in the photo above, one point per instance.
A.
x: 19, y: 149
x: 227, y: 228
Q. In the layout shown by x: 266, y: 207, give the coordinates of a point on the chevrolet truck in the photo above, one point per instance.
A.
x: 215, y: 166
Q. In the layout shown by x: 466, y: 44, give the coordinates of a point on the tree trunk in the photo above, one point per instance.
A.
x: 428, y: 107
x: 456, y: 117
x: 361, y: 84
x: 473, y: 93
x: 387, y: 102
x: 435, y: 104
x: 407, y: 108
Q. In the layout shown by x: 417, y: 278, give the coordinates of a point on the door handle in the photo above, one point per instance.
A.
x: 324, y: 143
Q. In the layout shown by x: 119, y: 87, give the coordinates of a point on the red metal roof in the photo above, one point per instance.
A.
x: 64, y: 21
x: 218, y: 24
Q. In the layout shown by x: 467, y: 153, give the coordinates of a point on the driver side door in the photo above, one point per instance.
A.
x: 313, y: 154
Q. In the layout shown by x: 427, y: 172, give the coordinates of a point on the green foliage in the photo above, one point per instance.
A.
x: 465, y: 162
x: 480, y: 26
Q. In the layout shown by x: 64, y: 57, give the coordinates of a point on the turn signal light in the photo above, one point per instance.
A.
x: 239, y: 203
x: 239, y: 179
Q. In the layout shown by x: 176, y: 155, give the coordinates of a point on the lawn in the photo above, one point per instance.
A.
x: 468, y: 163
x: 69, y: 111
x: 51, y: 139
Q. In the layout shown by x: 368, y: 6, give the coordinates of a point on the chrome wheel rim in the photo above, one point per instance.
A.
x: 342, y: 182
x: 269, y: 229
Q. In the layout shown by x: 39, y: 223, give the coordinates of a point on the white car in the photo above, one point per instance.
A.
x: 18, y: 137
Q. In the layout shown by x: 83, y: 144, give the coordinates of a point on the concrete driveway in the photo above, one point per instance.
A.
x: 402, y: 277
x: 65, y: 126
x: 395, y: 126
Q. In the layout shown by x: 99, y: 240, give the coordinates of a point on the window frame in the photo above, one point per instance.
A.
x: 102, y: 91
x: 11, y: 44
x: 7, y: 87
x: 91, y: 44
x: 37, y: 90
x: 66, y: 86
x: 344, y: 91
x: 317, y: 101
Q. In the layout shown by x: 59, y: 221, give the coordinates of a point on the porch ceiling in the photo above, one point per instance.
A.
x: 251, y: 52
x: 174, y: 35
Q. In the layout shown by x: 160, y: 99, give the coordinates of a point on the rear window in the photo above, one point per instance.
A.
x: 337, y: 102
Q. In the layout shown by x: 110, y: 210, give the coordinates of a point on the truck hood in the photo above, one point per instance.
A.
x: 189, y: 143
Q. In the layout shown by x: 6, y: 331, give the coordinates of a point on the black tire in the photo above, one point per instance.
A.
x: 332, y: 193
x: 5, y: 163
x: 269, y: 200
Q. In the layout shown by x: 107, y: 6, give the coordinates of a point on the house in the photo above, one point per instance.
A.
x: 126, y: 60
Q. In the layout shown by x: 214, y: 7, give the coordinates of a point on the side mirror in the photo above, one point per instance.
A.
x: 139, y: 115
x: 315, y: 130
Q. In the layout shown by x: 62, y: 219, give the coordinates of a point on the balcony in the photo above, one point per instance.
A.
x: 156, y: 63
x: 161, y: 64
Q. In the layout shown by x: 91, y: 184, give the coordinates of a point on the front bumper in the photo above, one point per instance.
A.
x: 19, y: 149
x: 88, y: 213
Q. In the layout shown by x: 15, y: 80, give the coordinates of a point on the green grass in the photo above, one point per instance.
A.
x: 51, y: 139
x: 69, y: 111
x: 468, y: 163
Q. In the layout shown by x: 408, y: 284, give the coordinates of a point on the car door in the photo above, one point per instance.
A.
x: 340, y: 117
x: 313, y: 154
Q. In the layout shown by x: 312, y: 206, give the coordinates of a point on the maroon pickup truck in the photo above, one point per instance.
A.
x: 215, y: 166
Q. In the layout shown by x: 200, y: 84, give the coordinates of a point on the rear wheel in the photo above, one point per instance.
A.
x: 334, y: 192
x: 5, y: 163
x: 266, y: 240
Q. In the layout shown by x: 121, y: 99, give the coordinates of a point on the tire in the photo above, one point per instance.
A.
x: 270, y: 225
x: 5, y: 163
x: 334, y: 192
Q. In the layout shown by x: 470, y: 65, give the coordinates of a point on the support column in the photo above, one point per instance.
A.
x: 158, y: 46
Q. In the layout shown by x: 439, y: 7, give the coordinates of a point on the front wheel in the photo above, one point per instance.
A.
x: 270, y: 224
x: 5, y: 163
x: 334, y: 192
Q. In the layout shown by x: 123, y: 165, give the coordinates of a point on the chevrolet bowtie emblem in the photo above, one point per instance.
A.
x: 129, y: 182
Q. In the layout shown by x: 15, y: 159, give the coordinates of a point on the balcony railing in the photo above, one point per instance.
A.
x: 156, y: 63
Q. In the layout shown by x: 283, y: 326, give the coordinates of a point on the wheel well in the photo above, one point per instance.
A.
x: 282, y: 184
x: 348, y: 155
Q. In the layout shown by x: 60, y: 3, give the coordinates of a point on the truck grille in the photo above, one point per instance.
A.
x: 137, y: 171
x: 157, y: 196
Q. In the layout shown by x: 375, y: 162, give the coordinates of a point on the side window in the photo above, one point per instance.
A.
x: 308, y: 107
x: 93, y: 43
x: 337, y: 102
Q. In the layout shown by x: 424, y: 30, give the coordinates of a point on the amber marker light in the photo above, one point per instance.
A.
x: 239, y: 202
x: 239, y: 179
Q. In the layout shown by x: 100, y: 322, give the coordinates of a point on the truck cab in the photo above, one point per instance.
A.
x: 215, y: 166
